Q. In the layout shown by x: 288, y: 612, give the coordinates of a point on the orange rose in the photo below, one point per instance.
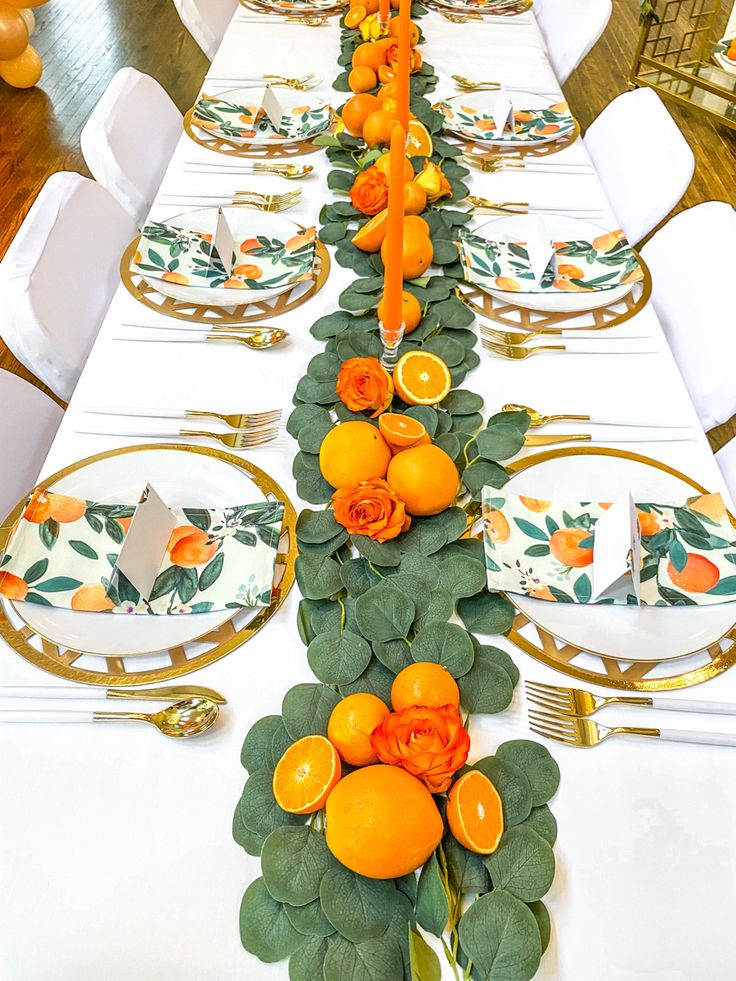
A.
x: 370, y: 508
x: 434, y: 182
x: 363, y: 383
x: 430, y: 743
x: 392, y: 57
x: 369, y: 193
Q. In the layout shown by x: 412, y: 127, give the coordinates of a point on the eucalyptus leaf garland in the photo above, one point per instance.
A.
x: 368, y: 611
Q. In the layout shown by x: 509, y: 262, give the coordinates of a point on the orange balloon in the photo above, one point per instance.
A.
x: 13, y: 33
x: 22, y: 72
x: 29, y: 17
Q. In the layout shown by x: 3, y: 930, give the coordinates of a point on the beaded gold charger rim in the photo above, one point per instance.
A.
x: 515, y: 149
x: 303, y: 10
x: 514, y: 316
x: 626, y: 676
x: 492, y: 10
x: 242, y: 313
x: 265, y: 151
x: 60, y: 661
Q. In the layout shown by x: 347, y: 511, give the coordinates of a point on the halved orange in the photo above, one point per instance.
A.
x: 306, y: 775
x: 418, y: 142
x: 401, y: 431
x: 370, y: 237
x: 421, y: 378
x: 475, y: 813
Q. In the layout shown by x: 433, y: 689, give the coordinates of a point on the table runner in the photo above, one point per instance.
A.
x: 638, y: 856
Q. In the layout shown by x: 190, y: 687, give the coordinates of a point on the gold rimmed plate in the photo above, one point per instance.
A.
x: 610, y: 645
x: 127, y: 649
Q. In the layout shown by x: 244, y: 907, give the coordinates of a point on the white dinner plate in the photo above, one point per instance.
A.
x: 624, y: 632
x: 720, y: 56
x: 183, y: 481
x: 521, y: 100
x: 243, y: 221
x: 563, y: 229
x: 289, y: 99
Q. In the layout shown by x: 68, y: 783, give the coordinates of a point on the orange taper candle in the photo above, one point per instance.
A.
x: 384, y: 13
x: 402, y: 67
x: 393, y: 279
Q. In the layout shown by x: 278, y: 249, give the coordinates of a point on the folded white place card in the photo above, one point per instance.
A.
x: 539, y: 245
x: 617, y: 553
x: 144, y: 547
x: 502, y: 113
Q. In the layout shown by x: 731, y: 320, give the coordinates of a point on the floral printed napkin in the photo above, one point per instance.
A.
x: 243, y: 121
x: 188, y: 258
x: 544, y: 549
x: 63, y: 552
x: 530, y: 125
x: 578, y: 266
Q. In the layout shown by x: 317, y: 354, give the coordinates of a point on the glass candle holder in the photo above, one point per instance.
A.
x: 391, y: 339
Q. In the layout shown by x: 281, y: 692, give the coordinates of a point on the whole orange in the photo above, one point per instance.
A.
x: 424, y: 683
x: 369, y: 54
x: 415, y: 224
x: 362, y: 79
x: 387, y: 90
x: 351, y: 452
x: 384, y: 165
x: 377, y: 128
x: 416, y: 254
x: 393, y: 31
x: 350, y: 726
x: 411, y: 311
x: 356, y: 110
x: 425, y: 478
x: 415, y: 199
x: 382, y: 822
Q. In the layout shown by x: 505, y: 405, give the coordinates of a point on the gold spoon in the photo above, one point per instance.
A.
x: 259, y: 340
x: 537, y: 419
x: 189, y: 717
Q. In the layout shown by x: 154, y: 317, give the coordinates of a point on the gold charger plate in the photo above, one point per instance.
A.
x: 243, y: 313
x: 261, y: 151
x: 513, y: 316
x: 600, y: 669
x: 492, y: 10
x: 182, y: 658
x: 295, y: 10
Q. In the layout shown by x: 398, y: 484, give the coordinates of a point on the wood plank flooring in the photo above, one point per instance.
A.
x: 84, y: 42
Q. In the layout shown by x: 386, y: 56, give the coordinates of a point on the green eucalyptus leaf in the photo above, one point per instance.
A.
x: 407, y: 885
x: 424, y: 963
x: 414, y: 586
x: 466, y: 870
x: 304, y: 621
x: 384, y: 613
x: 500, y: 442
x: 336, y: 657
x: 519, y: 420
x: 432, y: 906
x: 357, y: 907
x: 426, y: 415
x: 486, y: 688
x: 314, y: 527
x: 541, y: 915
x: 487, y: 613
x: 307, y: 962
x: 543, y: 821
x: 306, y: 710
x: 394, y: 654
x: 462, y: 575
x: 318, y: 576
x: 248, y: 840
x: 441, y: 608
x: 512, y: 785
x: 256, y: 752
x: 446, y: 644
x: 259, y: 811
x: 460, y: 401
x: 311, y: 486
x: 311, y: 435
x: 294, y: 861
x: 376, y: 679
x: 496, y: 656
x: 537, y: 763
x: 379, y: 553
x: 481, y: 473
x: 357, y: 576
x: 523, y: 864
x: 265, y: 929
x: 499, y: 935
x: 302, y: 415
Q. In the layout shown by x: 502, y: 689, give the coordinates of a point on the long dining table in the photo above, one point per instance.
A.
x: 117, y: 858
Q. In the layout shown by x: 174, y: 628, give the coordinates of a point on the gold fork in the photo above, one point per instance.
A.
x: 517, y: 207
x: 289, y: 171
x: 491, y: 165
x: 240, y: 421
x: 300, y: 83
x: 235, y: 441
x: 515, y: 353
x: 459, y: 18
x: 536, y: 419
x: 268, y: 202
x: 585, y: 733
x: 470, y: 86
x: 515, y: 337
x: 581, y: 704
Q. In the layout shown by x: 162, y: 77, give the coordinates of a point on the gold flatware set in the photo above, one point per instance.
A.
x: 525, y: 208
x: 272, y: 203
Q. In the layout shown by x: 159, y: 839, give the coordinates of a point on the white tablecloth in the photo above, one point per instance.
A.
x: 116, y: 854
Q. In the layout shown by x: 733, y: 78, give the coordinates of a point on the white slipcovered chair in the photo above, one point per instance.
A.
x: 570, y: 29
x: 643, y: 161
x: 693, y: 264
x: 206, y: 21
x: 28, y: 424
x: 59, y: 275
x: 129, y: 139
x: 726, y: 460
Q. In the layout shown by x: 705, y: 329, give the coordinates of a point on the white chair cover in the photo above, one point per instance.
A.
x: 570, y: 29
x: 693, y: 265
x: 643, y: 161
x: 59, y: 275
x: 28, y: 424
x: 726, y: 460
x: 129, y: 140
x: 206, y: 21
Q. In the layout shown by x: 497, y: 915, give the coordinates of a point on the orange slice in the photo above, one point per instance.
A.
x: 475, y: 813
x: 421, y: 378
x: 401, y: 431
x: 370, y: 237
x: 306, y: 775
x: 418, y: 142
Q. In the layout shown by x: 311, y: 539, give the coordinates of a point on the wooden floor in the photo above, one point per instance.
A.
x: 84, y: 42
